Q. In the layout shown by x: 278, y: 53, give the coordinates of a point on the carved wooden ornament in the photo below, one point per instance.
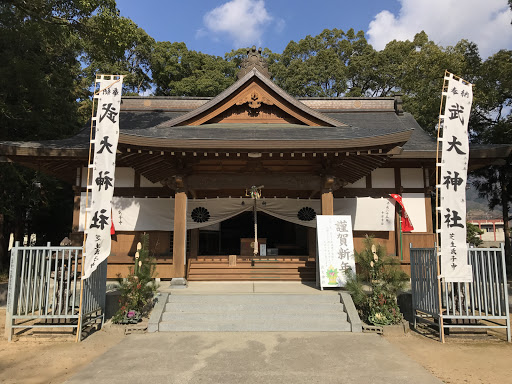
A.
x: 254, y: 100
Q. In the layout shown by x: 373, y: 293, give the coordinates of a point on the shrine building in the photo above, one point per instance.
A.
x: 185, y: 167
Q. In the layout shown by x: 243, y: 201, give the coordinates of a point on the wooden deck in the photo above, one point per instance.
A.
x: 270, y: 268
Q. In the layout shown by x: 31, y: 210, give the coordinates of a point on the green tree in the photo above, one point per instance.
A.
x: 417, y: 69
x: 55, y: 49
x: 38, y: 90
x: 45, y: 92
x: 32, y: 202
x: 473, y: 234
x: 118, y: 46
x: 491, y: 123
x: 70, y: 13
x: 179, y: 72
x: 335, y: 63
x: 320, y: 65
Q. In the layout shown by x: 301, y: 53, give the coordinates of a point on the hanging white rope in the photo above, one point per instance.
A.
x: 255, y: 193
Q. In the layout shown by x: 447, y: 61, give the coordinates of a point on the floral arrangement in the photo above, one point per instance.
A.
x: 138, y: 288
x: 382, y: 275
x: 332, y: 274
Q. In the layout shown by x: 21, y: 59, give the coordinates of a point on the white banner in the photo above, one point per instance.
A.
x: 298, y: 211
x: 335, y: 249
x: 375, y: 214
x: 157, y: 214
x: 205, y: 212
x: 454, y: 168
x: 106, y: 136
x: 140, y: 214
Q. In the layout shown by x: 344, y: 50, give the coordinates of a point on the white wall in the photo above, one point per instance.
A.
x: 125, y: 177
x: 145, y: 183
x: 412, y: 177
x: 361, y: 183
x: 383, y: 178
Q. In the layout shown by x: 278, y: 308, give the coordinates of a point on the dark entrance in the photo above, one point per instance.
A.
x: 288, y: 238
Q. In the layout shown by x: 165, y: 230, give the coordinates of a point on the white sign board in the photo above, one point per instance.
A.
x: 454, y: 169
x: 335, y: 249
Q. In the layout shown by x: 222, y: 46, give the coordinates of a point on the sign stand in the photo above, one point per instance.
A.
x: 335, y: 253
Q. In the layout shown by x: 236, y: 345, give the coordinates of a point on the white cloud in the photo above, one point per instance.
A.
x: 486, y: 23
x: 243, y: 21
x: 279, y: 25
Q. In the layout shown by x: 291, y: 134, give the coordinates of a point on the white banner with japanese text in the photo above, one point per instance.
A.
x: 104, y: 146
x: 454, y: 169
x: 335, y: 245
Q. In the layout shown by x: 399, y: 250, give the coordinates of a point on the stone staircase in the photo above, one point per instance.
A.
x: 250, y: 312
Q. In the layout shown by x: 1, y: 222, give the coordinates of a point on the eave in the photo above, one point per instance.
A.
x: 479, y: 155
x: 398, y: 138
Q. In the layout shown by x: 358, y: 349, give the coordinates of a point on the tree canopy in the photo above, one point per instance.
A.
x: 180, y: 72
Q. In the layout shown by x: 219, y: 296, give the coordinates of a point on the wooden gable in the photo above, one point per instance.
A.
x: 254, y: 99
x: 254, y: 103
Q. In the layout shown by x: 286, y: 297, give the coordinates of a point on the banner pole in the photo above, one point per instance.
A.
x: 438, y: 229
x: 79, y: 325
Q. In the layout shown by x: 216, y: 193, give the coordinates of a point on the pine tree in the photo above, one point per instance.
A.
x: 382, y: 275
x: 139, y: 287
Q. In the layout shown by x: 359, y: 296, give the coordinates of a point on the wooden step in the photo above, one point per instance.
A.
x: 249, y: 266
x: 250, y: 278
x: 285, y: 268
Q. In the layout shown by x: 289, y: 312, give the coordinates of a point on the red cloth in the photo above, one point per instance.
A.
x: 112, y: 229
x: 406, y: 222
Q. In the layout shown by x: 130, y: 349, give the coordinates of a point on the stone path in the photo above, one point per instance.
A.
x: 254, y: 357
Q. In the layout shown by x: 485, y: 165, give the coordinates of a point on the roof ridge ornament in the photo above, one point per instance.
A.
x: 254, y: 60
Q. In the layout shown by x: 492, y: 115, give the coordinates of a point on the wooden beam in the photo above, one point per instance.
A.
x: 180, y: 233
x: 241, y: 181
x: 327, y: 203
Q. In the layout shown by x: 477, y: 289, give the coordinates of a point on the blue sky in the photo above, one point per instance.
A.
x: 217, y: 26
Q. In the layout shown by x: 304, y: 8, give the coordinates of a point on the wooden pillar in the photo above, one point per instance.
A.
x: 327, y: 202
x: 194, y: 243
x: 180, y: 234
